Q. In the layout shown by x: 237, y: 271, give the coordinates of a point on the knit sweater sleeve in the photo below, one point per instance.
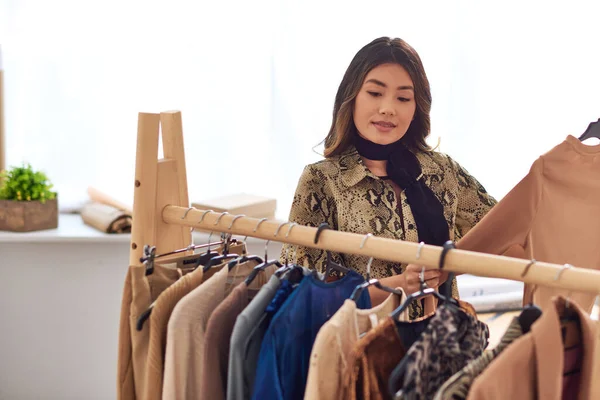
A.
x: 504, y: 230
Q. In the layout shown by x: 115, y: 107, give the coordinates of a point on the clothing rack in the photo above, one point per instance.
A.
x: 162, y: 218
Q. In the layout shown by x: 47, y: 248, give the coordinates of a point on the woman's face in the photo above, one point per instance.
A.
x: 385, y: 105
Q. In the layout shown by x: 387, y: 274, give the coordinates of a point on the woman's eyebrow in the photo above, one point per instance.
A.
x: 379, y: 83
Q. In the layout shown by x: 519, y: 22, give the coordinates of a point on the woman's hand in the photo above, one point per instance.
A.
x: 411, y: 281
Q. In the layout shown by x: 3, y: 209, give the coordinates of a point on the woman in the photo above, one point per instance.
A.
x: 379, y: 175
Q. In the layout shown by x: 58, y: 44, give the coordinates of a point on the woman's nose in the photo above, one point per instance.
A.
x: 386, y: 107
x: 389, y: 111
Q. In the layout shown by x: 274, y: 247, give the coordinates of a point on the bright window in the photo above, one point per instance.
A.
x: 255, y: 82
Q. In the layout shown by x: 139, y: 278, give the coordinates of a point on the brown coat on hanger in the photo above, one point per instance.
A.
x: 532, y: 367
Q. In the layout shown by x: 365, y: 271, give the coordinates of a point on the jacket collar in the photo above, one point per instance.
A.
x: 353, y: 170
x: 549, y: 352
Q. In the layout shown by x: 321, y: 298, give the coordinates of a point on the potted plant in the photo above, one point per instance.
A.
x: 27, y: 202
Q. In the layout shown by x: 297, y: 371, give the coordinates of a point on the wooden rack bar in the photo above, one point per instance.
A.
x: 460, y: 261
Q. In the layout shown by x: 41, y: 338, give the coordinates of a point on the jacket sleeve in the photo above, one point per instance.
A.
x: 504, y: 230
x: 312, y: 205
x: 474, y: 202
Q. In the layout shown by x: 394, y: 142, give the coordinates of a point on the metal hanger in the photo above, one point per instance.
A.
x: 226, y: 255
x: 290, y: 271
x: 209, y: 255
x: 557, y: 277
x: 371, y: 282
x: 287, y: 251
x: 424, y: 290
x: 530, y: 312
x: 593, y: 130
x: 267, y: 262
x: 204, y: 258
x: 244, y: 257
x: 287, y: 266
x: 362, y: 244
x: 569, y: 314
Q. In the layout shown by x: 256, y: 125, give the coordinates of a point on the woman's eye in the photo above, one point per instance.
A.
x: 374, y: 94
x: 403, y: 99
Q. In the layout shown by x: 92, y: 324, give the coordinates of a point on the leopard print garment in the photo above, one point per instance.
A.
x: 452, y: 339
x: 458, y: 386
x: 343, y: 192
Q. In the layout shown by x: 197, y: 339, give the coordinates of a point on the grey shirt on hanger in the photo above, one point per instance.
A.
x: 248, y: 333
x: 246, y: 339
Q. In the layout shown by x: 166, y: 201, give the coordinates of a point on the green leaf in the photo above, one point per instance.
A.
x: 23, y: 183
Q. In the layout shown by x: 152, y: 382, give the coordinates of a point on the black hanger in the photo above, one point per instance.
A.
x: 244, y: 258
x: 593, y: 130
x: 372, y: 282
x: 426, y: 291
x: 530, y: 312
x: 287, y: 266
x: 263, y: 266
x: 219, y: 260
x: 330, y: 265
x: 203, y: 259
x: 223, y: 257
x: 143, y: 317
x: 445, y: 288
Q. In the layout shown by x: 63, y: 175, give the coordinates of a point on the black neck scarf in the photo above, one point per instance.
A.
x: 404, y: 168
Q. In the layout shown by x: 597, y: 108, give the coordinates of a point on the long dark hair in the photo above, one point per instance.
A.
x: 383, y: 50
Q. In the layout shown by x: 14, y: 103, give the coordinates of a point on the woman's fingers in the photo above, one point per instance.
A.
x: 435, y: 282
x: 434, y: 273
x: 413, y: 276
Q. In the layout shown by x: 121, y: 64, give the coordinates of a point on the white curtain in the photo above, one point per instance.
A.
x: 256, y: 80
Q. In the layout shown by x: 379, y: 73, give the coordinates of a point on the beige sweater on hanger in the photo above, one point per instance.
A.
x: 550, y: 216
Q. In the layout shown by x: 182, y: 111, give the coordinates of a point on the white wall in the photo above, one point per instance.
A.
x: 59, y: 313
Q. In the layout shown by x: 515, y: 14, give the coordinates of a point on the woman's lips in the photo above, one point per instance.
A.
x: 384, y: 126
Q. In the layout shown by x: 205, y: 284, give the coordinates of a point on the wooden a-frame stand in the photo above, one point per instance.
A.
x: 158, y: 183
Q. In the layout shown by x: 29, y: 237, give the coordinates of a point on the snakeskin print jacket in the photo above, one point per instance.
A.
x: 343, y: 192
